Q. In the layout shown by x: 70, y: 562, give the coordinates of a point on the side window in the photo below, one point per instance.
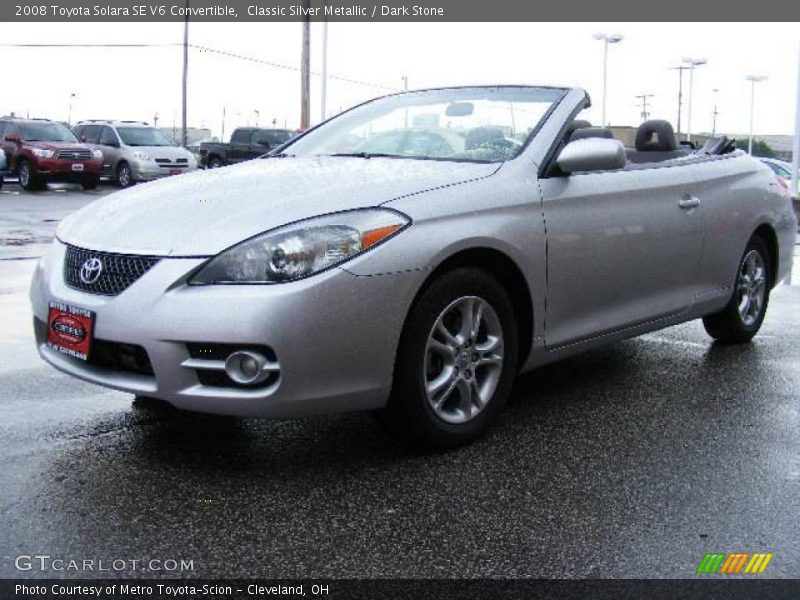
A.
x: 264, y: 138
x: 2, y: 130
x: 241, y: 136
x: 91, y: 133
x: 108, y: 137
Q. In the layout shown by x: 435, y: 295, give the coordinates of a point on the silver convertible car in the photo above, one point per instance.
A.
x: 410, y: 257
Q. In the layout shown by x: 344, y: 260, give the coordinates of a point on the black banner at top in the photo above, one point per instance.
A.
x: 394, y: 10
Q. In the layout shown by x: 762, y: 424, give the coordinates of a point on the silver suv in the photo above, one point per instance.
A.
x: 134, y: 151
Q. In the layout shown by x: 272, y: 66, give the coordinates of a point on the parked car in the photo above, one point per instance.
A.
x: 134, y: 151
x: 246, y: 143
x: 2, y: 168
x: 782, y: 170
x: 39, y: 151
x: 416, y: 285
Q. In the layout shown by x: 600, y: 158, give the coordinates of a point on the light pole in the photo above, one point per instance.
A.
x: 692, y: 63
x: 69, y: 114
x: 680, y: 71
x: 753, y: 79
x: 607, y: 39
x: 185, y: 79
x: 714, y: 114
x: 324, y: 82
x: 257, y: 114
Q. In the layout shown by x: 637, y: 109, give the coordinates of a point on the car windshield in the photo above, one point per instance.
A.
x: 45, y: 132
x: 143, y: 136
x: 485, y: 124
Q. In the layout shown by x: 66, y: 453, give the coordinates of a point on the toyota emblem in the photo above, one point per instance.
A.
x: 90, y: 271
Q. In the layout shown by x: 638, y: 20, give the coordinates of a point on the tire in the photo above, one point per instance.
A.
x: 741, y: 319
x: 446, y: 418
x: 124, y: 175
x: 90, y: 182
x: 28, y: 180
x: 215, y: 162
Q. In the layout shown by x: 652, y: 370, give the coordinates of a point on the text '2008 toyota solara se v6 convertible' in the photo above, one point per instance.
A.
x: 410, y: 256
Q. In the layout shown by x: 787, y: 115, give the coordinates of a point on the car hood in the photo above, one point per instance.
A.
x: 170, y: 152
x: 57, y: 145
x: 202, y: 213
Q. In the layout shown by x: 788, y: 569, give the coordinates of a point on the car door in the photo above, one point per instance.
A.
x: 109, y: 145
x: 239, y: 148
x: 262, y: 142
x: 623, y: 249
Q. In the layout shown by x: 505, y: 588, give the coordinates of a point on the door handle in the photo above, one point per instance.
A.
x: 688, y: 201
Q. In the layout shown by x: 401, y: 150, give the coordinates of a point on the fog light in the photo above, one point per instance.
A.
x: 246, y: 367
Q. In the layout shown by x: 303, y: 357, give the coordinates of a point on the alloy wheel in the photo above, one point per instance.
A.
x: 24, y: 175
x: 463, y: 359
x: 751, y: 287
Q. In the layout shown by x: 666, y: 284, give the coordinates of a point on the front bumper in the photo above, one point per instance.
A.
x: 334, y: 335
x: 58, y: 168
x: 143, y: 171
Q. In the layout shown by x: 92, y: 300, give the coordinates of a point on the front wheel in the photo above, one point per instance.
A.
x: 215, y: 163
x: 741, y: 319
x: 27, y: 179
x: 456, y: 361
x: 124, y: 175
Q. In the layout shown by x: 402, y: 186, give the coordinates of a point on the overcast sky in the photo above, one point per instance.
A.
x: 138, y: 83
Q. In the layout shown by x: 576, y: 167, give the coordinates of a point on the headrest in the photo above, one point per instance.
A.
x: 591, y: 132
x: 655, y: 136
x: 481, y: 135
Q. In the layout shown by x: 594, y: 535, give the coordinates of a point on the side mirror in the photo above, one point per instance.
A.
x: 83, y: 139
x: 592, y: 154
x: 11, y: 137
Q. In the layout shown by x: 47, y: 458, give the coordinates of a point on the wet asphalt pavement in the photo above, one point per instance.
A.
x: 631, y: 461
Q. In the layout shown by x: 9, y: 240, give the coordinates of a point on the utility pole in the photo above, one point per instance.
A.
x: 184, y: 132
x: 714, y: 115
x: 680, y: 70
x: 69, y: 115
x: 796, y: 144
x: 643, y: 98
x: 155, y: 120
x: 305, y: 74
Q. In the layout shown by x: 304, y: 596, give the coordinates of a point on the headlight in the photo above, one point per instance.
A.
x: 42, y: 153
x: 141, y: 155
x: 97, y: 155
x: 301, y: 249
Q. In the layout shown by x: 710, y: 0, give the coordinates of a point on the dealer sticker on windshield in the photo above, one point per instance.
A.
x: 69, y: 330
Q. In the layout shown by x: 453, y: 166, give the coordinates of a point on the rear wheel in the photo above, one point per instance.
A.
x: 456, y: 362
x: 27, y: 177
x: 741, y: 319
x: 124, y: 175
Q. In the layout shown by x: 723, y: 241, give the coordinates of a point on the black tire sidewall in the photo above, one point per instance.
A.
x: 409, y: 406
x: 32, y: 183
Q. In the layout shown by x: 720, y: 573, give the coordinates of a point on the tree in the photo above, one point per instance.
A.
x: 760, y: 148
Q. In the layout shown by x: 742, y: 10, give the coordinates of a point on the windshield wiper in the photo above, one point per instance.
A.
x: 279, y: 155
x: 367, y: 155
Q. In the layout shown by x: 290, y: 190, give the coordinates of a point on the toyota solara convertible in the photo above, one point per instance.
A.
x: 410, y: 257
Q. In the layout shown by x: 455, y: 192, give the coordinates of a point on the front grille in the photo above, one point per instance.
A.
x: 117, y: 271
x: 74, y: 154
x: 117, y: 356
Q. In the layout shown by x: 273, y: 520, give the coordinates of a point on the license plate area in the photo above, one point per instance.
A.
x: 77, y: 167
x: 70, y: 330
x: 175, y: 172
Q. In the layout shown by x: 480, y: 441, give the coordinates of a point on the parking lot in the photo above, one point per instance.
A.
x: 631, y: 461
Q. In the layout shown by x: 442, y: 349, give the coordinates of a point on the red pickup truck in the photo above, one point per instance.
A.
x: 39, y: 150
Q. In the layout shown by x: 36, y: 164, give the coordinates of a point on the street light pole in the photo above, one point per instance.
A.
x: 305, y: 74
x: 693, y: 64
x: 69, y: 114
x: 714, y: 115
x: 184, y: 133
x: 324, y: 83
x: 680, y: 70
x: 606, y: 39
x: 796, y: 144
x: 753, y: 79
